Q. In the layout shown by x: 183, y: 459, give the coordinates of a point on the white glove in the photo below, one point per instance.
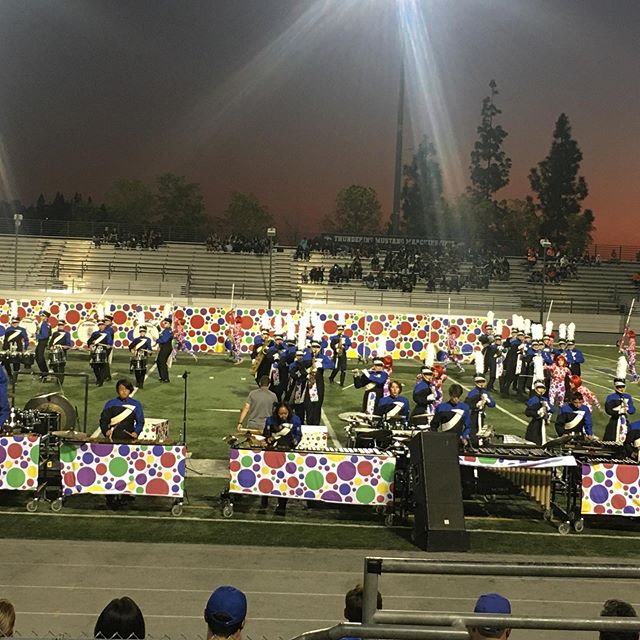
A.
x: 542, y: 412
x: 431, y: 397
x: 319, y: 361
x: 620, y: 408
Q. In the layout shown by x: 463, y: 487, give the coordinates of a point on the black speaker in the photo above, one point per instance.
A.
x: 438, y: 523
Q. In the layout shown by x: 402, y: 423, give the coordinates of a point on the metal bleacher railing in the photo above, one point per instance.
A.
x: 419, y: 624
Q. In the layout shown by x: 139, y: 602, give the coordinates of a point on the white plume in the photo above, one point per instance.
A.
x: 291, y: 328
x: 46, y: 304
x: 499, y: 326
x: 317, y: 331
x: 140, y: 318
x: 538, y: 367
x: 167, y: 310
x: 100, y: 311
x: 265, y: 323
x: 562, y: 331
x: 527, y: 326
x: 430, y: 358
x: 515, y: 320
x: 548, y: 328
x: 621, y: 368
x: 490, y: 318
x: 479, y: 362
x: 536, y: 331
x: 278, y: 325
x: 13, y: 308
x: 381, y: 347
x: 62, y: 312
x: 302, y: 332
x: 571, y: 331
x: 340, y: 318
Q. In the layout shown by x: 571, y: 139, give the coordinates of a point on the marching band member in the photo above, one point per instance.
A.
x: 297, y: 383
x: 574, y: 417
x: 373, y: 382
x: 15, y: 340
x: 139, y: 348
x: 122, y: 418
x: 478, y: 399
x: 315, y: 362
x: 424, y: 396
x: 511, y: 358
x: 453, y: 415
x: 575, y: 357
x: 540, y: 410
x: 559, y: 374
x: 260, y: 364
x: 494, y: 359
x: 97, y: 344
x: 487, y: 337
x: 59, y: 344
x: 451, y: 347
x: 43, y: 334
x: 590, y: 398
x: 340, y: 344
x: 165, y: 345
x: 394, y: 406
x: 618, y: 405
x: 629, y: 351
x: 109, y: 330
x: 548, y: 351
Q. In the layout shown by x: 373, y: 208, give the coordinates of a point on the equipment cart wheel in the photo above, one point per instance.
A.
x: 176, y: 509
x: 564, y: 528
x: 56, y: 505
x: 547, y: 515
x: 388, y: 520
x: 227, y: 510
x: 578, y: 525
x: 32, y: 506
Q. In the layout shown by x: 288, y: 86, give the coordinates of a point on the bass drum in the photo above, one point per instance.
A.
x: 85, y: 329
x: 30, y: 326
x: 55, y: 403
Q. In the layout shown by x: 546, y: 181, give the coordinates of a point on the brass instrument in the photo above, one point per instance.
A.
x: 313, y: 370
x: 340, y: 347
x: 257, y: 361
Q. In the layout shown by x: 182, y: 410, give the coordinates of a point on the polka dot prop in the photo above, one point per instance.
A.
x: 342, y: 478
x: 123, y: 469
x: 404, y: 335
x: 19, y: 457
x: 314, y: 437
x: 611, y: 490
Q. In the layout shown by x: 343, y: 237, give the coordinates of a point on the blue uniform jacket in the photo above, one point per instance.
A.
x: 44, y: 331
x: 388, y: 402
x: 63, y: 341
x: 445, y: 412
x: 272, y: 425
x: 111, y: 410
x: 568, y: 412
x: 165, y: 336
x: 474, y: 396
x: 23, y: 337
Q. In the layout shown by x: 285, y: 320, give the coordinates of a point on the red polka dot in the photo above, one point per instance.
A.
x: 167, y: 460
x: 88, y: 305
x: 119, y: 317
x: 435, y: 336
x: 178, y: 313
x: 376, y: 328
x: 191, y: 333
x: 140, y: 464
x: 599, y: 509
x: 330, y: 327
x: 234, y: 466
x: 274, y: 459
x: 33, y: 303
x: 618, y: 501
x: 331, y: 477
x: 627, y: 474
x: 14, y: 450
x: 436, y: 324
x: 215, y: 328
x: 157, y: 487
x: 247, y: 322
x: 265, y: 485
x: 586, y: 482
x: 471, y: 337
x: 4, y: 318
x: 393, y: 334
x: 422, y: 334
x: 292, y: 482
x: 410, y: 353
x: 371, y: 339
x: 101, y: 469
x: 70, y: 479
x: 22, y: 312
x: 405, y: 328
x: 361, y: 323
x: 197, y: 321
x: 365, y: 468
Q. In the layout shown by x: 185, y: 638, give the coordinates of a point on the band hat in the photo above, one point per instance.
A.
x: 108, y: 316
x: 494, y: 604
x: 142, y: 328
x: 426, y: 370
x: 316, y: 343
x: 619, y: 382
x: 539, y: 384
x: 299, y: 352
x: 227, y: 607
x: 45, y: 313
x: 479, y: 377
x: 279, y: 336
x: 168, y: 319
x: 15, y: 319
x: 378, y: 362
x: 341, y: 326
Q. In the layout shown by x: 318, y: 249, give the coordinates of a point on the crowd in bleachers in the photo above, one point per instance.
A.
x: 125, y: 239
x: 235, y: 243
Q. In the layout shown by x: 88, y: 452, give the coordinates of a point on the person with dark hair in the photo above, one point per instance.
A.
x: 618, y: 609
x: 491, y: 604
x: 43, y: 334
x: 454, y: 416
x: 394, y: 406
x: 574, y: 417
x: 122, y: 418
x: 165, y: 345
x: 7, y: 618
x: 121, y: 618
x: 257, y: 407
x: 372, y: 381
x: 283, y: 428
x: 353, y: 603
x: 225, y: 613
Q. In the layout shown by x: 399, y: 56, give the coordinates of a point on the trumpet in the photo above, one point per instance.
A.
x: 340, y: 346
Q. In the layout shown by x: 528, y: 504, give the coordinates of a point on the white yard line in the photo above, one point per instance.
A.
x: 332, y: 434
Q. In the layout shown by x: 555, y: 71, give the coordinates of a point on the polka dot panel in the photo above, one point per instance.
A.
x: 611, y: 490
x: 337, y: 478
x: 133, y: 469
x: 19, y: 456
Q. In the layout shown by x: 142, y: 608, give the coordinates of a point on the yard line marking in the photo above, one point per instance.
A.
x: 593, y: 355
x: 498, y: 407
x: 332, y: 434
x: 227, y: 410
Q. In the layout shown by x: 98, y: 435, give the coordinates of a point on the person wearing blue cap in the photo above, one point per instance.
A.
x: 491, y: 604
x: 225, y: 613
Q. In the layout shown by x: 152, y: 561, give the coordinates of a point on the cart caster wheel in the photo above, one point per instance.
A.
x: 176, y: 510
x: 227, y: 511
x: 388, y: 520
x: 379, y: 509
x: 548, y: 515
x: 56, y: 505
x: 32, y: 506
x: 578, y: 526
x: 564, y: 528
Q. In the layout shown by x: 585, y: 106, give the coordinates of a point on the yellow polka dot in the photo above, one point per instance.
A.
x: 382, y: 488
x: 32, y: 472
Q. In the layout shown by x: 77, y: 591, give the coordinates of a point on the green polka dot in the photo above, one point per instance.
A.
x: 15, y: 477
x: 387, y: 471
x: 35, y: 453
x: 139, y: 489
x: 314, y: 480
x: 200, y: 339
x: 291, y: 456
x: 365, y: 494
x: 487, y: 460
x: 246, y: 461
x: 118, y: 467
x: 67, y: 452
x: 598, y: 476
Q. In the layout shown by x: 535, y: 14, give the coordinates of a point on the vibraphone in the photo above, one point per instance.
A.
x: 530, y: 468
x: 338, y: 476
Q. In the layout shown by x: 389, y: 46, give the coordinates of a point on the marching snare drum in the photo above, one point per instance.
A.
x: 139, y: 361
x: 56, y: 355
x: 99, y: 355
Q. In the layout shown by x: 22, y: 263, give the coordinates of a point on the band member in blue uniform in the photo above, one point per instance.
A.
x: 539, y: 410
x: 165, y: 342
x: 424, y: 397
x: 394, y: 407
x: 140, y: 348
x: 493, y: 358
x: 15, y: 341
x: 260, y: 362
x: 97, y: 344
x: 297, y: 383
x: 340, y: 344
x: 122, y: 418
x: 59, y: 344
x: 453, y: 415
x: 618, y: 405
x: 574, y: 417
x: 42, y: 339
x: 316, y: 363
x: 478, y: 399
x: 373, y: 382
x: 510, y: 363
x: 108, y: 328
x: 575, y: 358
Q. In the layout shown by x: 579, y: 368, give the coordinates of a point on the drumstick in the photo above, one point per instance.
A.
x: 104, y: 293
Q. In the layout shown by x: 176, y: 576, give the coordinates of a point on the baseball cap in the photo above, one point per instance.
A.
x: 227, y: 607
x: 492, y: 603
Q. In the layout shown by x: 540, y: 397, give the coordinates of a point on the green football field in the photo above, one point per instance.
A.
x: 216, y: 392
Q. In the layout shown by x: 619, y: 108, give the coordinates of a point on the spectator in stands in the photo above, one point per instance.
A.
x: 491, y: 604
x: 635, y: 279
x: 7, y: 618
x: 618, y: 609
x: 121, y: 618
x: 353, y: 603
x: 225, y: 613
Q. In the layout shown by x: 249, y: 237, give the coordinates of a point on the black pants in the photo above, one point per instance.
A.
x: 341, y: 368
x: 99, y: 369
x: 140, y: 375
x: 12, y: 370
x: 162, y: 359
x: 58, y: 369
x: 40, y: 359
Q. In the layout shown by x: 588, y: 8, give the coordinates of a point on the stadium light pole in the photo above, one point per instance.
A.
x: 17, y: 221
x: 271, y: 234
x: 545, y: 244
